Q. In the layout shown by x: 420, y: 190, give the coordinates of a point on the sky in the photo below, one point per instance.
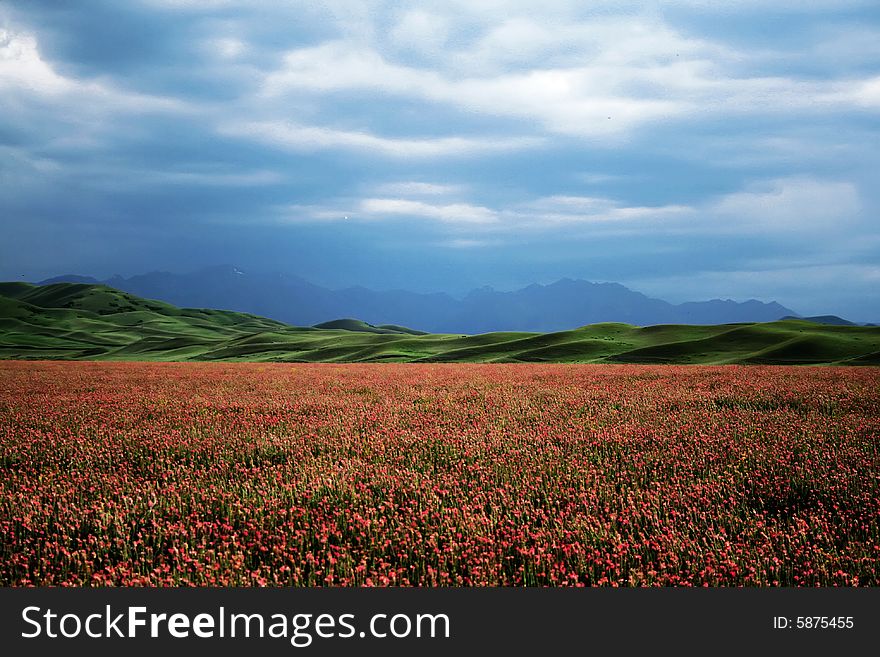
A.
x: 688, y: 149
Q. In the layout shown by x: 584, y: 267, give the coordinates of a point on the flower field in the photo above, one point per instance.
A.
x: 179, y: 474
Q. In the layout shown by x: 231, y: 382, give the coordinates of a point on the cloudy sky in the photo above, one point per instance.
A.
x: 687, y: 150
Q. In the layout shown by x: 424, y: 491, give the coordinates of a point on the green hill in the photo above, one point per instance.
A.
x: 82, y: 321
x: 363, y: 327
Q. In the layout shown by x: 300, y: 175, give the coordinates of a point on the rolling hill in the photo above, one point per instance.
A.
x: 87, y: 321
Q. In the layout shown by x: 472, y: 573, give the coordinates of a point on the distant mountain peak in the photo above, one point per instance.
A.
x: 564, y: 304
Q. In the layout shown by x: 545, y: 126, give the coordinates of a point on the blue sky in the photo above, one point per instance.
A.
x: 689, y: 149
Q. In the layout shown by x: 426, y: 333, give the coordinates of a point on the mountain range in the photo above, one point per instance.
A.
x: 76, y: 321
x: 562, y: 305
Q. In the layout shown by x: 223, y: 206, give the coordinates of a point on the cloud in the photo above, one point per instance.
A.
x: 800, y: 204
x: 22, y: 67
x: 866, y: 92
x: 108, y: 179
x: 592, y: 210
x: 547, y: 213
x: 597, y: 79
x: 582, y: 100
x: 340, y: 65
x: 226, y: 47
x: 793, y: 6
x: 465, y: 244
x: 421, y: 31
x: 24, y: 160
x: 24, y: 72
x: 447, y: 126
x: 388, y: 209
x: 448, y: 213
x: 308, y: 138
x: 193, y: 5
x: 416, y: 188
x: 598, y: 178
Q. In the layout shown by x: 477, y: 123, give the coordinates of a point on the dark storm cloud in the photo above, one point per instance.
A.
x: 687, y: 152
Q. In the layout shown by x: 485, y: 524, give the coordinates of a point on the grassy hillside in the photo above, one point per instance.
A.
x: 79, y: 321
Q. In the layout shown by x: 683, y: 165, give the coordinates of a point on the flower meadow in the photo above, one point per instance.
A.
x: 245, y: 474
